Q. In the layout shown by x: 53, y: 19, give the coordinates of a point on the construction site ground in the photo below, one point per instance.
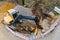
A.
x: 7, y: 35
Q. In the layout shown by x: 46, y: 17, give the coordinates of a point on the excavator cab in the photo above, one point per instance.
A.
x: 10, y: 16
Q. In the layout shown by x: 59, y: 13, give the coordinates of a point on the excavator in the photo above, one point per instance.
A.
x: 12, y: 18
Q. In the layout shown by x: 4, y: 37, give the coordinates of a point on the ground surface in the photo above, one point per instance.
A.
x: 7, y: 35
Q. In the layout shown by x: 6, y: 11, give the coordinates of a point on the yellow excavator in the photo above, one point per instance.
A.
x: 12, y: 18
